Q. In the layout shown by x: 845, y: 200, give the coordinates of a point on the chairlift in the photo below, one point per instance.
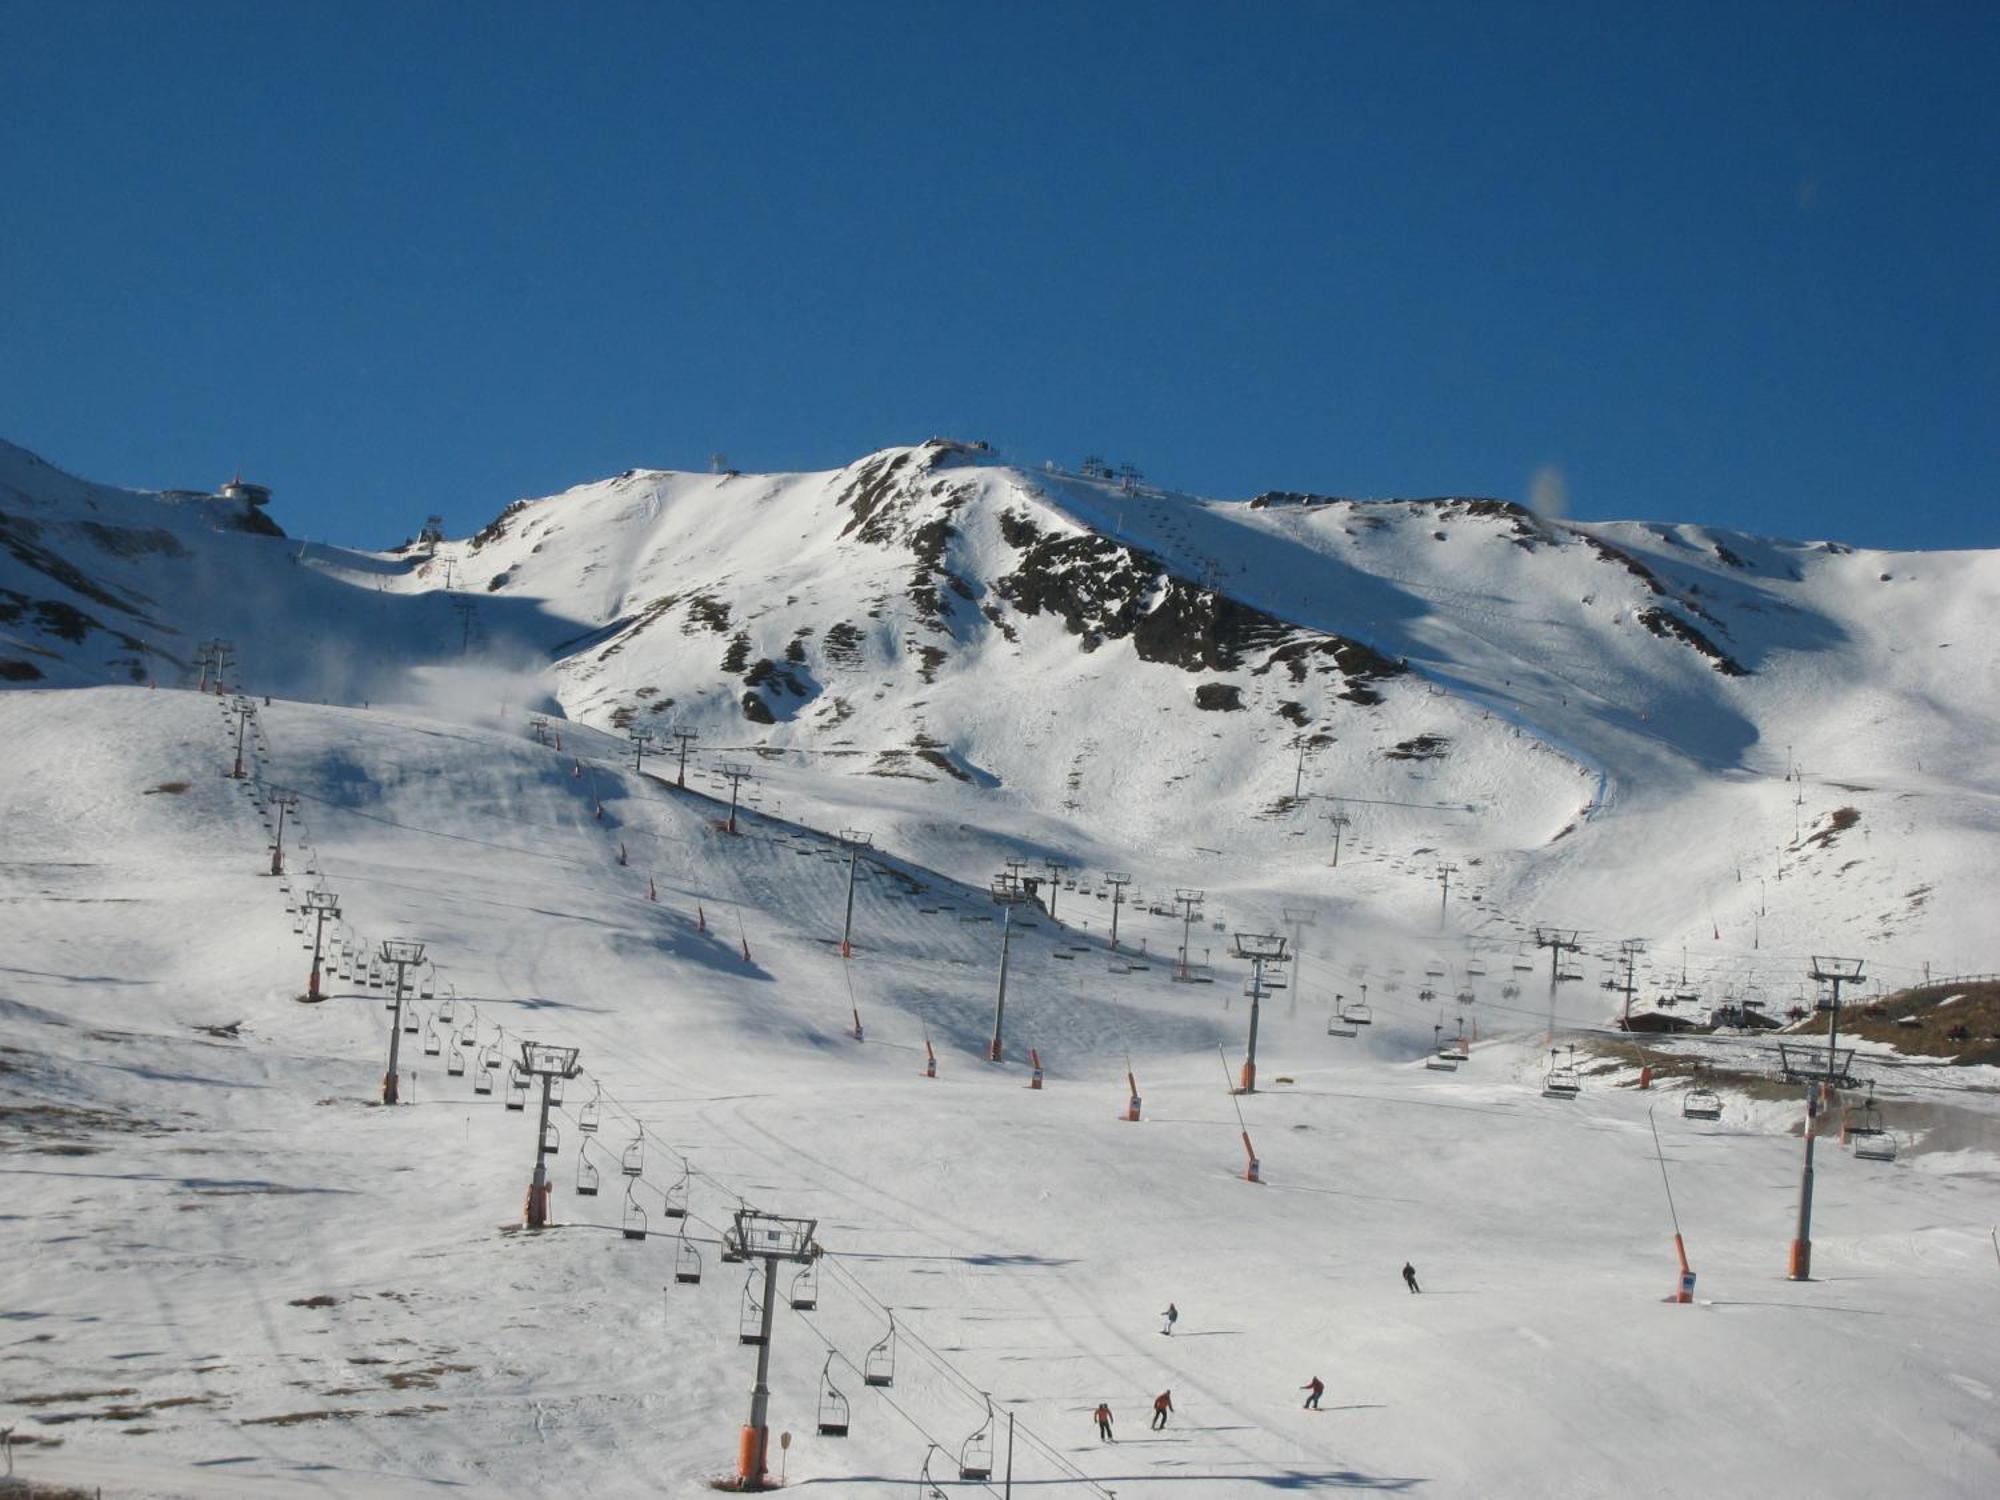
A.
x: 926, y: 1486
x: 687, y: 1261
x: 1357, y: 1014
x: 635, y: 1216
x: 804, y: 1295
x: 454, y: 1063
x: 975, y: 1454
x: 1561, y: 1082
x: 1510, y: 991
x: 432, y: 1044
x: 750, y: 1313
x: 555, y: 1088
x: 833, y: 1405
x: 677, y: 1194
x: 427, y: 986
x: 1878, y: 1147
x: 586, y: 1118
x: 411, y: 1026
x: 879, y: 1367
x: 1701, y: 1104
x: 489, y: 1055
x: 551, y: 1140
x: 634, y: 1160
x: 1335, y: 1028
x: 517, y: 1087
x: 482, y: 1080
x: 586, y: 1175
x: 468, y: 1034
x: 448, y: 1008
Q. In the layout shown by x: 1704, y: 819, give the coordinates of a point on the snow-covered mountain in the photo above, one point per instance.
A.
x: 1588, y: 719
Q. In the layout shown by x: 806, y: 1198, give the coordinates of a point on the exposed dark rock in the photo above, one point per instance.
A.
x: 1665, y: 623
x: 756, y: 710
x: 1218, y: 696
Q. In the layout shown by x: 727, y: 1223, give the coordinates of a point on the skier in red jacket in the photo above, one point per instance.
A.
x: 1313, y: 1388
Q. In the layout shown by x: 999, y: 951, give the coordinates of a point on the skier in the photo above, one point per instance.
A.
x: 1103, y: 1416
x: 1313, y: 1388
x: 1410, y: 1277
x: 1173, y: 1316
x: 1162, y: 1404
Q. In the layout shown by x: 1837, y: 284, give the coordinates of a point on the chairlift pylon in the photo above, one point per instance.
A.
x: 879, y: 1367
x: 832, y: 1404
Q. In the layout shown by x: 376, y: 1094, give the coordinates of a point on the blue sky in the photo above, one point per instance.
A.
x: 1723, y: 263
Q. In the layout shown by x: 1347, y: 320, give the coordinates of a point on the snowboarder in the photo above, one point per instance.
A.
x: 1313, y: 1388
x: 1173, y: 1316
x: 1162, y: 1404
x: 1103, y: 1416
x: 1410, y: 1277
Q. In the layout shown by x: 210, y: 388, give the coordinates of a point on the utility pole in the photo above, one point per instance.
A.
x: 1009, y: 893
x: 769, y: 1238
x: 856, y: 841
x: 284, y: 802
x: 642, y: 741
x: 1188, y: 901
x: 1558, y: 942
x: 1631, y: 948
x: 465, y: 608
x: 1117, y: 880
x: 245, y: 711
x: 683, y: 738
x: 1299, y: 772
x: 736, y: 775
x: 1834, y: 971
x: 402, y: 952
x: 1260, y: 948
x: 1445, y: 872
x: 540, y: 1060
x: 205, y: 655
x: 1339, y: 820
x: 319, y: 905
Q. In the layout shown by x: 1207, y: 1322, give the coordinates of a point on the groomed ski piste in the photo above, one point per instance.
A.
x: 243, y: 1276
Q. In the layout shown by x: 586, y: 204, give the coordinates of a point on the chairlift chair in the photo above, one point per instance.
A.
x: 1561, y: 1084
x: 805, y: 1288
x: 1357, y: 1014
x: 975, y: 1454
x: 432, y: 1044
x: 687, y: 1261
x: 454, y: 1063
x: 411, y: 1025
x: 879, y: 1367
x: 517, y: 1087
x: 1701, y: 1104
x: 427, y: 986
x: 750, y: 1313
x: 448, y: 1009
x: 1335, y: 1028
x: 1879, y: 1147
x: 926, y: 1486
x: 635, y: 1216
x: 482, y: 1080
x: 586, y: 1175
x: 551, y: 1140
x: 634, y: 1160
x: 832, y: 1404
x: 677, y: 1194
x: 555, y: 1088
x: 586, y: 1118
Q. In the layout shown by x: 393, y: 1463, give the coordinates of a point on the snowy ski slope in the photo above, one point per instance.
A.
x: 229, y: 1272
